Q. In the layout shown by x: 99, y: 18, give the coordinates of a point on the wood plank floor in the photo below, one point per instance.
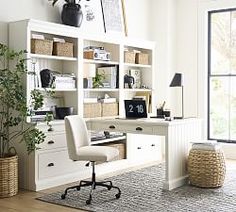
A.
x: 25, y: 201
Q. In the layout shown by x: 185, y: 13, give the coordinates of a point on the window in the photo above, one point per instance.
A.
x: 222, y: 75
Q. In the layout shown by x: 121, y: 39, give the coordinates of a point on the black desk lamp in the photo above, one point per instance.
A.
x: 177, y: 81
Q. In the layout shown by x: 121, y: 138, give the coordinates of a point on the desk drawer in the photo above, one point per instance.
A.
x: 53, y: 141
x: 126, y: 128
x: 55, y: 128
x: 53, y: 164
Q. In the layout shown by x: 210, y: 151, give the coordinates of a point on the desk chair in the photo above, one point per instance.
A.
x: 79, y: 149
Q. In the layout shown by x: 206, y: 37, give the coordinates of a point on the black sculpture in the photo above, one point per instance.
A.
x: 47, y: 78
x: 129, y: 80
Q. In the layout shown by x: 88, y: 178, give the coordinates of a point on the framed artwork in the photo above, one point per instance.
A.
x: 92, y: 17
x: 114, y: 16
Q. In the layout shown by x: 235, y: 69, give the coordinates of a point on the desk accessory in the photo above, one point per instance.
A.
x: 135, y: 109
x: 177, y: 81
x: 89, y: 73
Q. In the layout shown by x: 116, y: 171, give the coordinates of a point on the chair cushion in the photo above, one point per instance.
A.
x: 97, y: 153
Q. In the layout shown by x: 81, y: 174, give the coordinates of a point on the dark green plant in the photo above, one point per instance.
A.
x: 97, y: 80
x: 67, y: 1
x: 13, y: 103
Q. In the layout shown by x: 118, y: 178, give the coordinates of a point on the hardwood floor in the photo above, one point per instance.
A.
x: 25, y: 201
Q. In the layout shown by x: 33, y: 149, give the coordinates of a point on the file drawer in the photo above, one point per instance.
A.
x: 53, y: 164
x: 55, y: 128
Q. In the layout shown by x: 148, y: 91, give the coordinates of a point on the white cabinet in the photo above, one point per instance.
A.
x: 50, y: 165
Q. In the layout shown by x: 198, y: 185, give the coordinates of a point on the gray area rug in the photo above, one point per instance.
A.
x: 142, y: 191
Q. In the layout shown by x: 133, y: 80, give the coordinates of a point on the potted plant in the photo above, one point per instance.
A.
x: 13, y: 114
x: 71, y: 13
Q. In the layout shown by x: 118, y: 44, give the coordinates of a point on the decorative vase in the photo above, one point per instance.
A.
x: 8, y: 176
x: 72, y: 14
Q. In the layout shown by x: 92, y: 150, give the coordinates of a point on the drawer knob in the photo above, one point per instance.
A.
x: 139, y: 128
x: 112, y: 127
x: 139, y: 147
x: 50, y: 164
x: 153, y: 145
x: 51, y: 142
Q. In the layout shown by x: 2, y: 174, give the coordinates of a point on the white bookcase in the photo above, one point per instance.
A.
x: 50, y: 166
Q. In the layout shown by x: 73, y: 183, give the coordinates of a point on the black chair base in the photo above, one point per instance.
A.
x: 93, y: 184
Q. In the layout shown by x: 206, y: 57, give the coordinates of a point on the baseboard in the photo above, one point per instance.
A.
x: 178, y: 182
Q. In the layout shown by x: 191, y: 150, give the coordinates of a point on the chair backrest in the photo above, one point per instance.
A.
x: 76, y: 134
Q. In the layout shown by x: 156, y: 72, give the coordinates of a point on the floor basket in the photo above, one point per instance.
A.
x: 8, y: 176
x: 206, y: 168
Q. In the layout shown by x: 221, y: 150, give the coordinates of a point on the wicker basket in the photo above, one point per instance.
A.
x: 41, y: 46
x: 141, y: 58
x: 63, y: 49
x: 8, y: 176
x: 206, y: 168
x: 129, y: 57
x: 92, y: 110
x: 110, y: 109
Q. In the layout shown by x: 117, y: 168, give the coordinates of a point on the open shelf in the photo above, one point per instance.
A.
x: 57, y: 90
x: 136, y: 90
x: 52, y: 57
x: 101, y: 62
x: 137, y: 65
x: 102, y: 89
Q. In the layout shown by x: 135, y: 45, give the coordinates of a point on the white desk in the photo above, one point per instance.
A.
x: 178, y: 134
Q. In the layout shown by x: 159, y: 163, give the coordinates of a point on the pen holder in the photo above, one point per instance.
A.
x: 166, y: 113
x: 160, y: 113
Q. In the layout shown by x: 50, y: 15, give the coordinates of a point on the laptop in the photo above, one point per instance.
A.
x: 135, y: 109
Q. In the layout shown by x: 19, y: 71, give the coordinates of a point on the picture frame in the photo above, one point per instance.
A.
x: 92, y: 17
x: 114, y: 17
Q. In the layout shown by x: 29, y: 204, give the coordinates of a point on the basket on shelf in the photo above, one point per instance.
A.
x: 63, y: 49
x: 8, y: 176
x: 110, y: 109
x: 39, y: 46
x: 206, y: 168
x: 129, y: 57
x: 141, y: 58
x: 92, y: 110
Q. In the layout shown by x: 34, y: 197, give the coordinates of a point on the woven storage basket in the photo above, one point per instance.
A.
x: 92, y: 110
x: 129, y: 57
x: 206, y: 168
x: 141, y: 58
x: 63, y: 49
x: 41, y: 46
x: 8, y: 176
x: 110, y: 109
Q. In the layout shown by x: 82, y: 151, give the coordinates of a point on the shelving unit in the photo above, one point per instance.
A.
x: 35, y: 174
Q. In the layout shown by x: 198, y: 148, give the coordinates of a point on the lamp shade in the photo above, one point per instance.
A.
x: 177, y: 80
x: 89, y: 70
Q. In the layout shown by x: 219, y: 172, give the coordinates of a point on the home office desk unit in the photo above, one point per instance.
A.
x: 178, y: 135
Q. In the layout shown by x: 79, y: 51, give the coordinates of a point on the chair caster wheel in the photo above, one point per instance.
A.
x: 78, y: 189
x: 118, y: 196
x: 63, y: 196
x: 88, y: 202
x: 109, y: 188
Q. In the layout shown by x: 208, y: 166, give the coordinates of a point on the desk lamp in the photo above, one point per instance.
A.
x: 177, y: 81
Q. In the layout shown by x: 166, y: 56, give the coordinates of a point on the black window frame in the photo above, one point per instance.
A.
x: 209, y: 75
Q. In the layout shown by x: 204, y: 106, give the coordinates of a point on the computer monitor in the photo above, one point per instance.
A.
x: 135, y: 109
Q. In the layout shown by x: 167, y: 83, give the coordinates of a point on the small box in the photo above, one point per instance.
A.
x: 92, y: 110
x: 141, y: 58
x: 110, y: 109
x: 63, y: 49
x: 40, y: 46
x: 129, y: 57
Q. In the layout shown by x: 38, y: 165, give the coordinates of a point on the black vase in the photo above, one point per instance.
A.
x: 72, y: 15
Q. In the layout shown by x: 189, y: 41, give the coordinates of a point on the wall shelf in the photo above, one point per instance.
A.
x: 52, y: 57
x: 104, y: 62
x: 137, y: 65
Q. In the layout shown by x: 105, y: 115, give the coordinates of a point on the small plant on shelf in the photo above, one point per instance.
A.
x: 98, y: 80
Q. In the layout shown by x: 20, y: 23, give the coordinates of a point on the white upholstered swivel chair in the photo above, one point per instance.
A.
x: 79, y: 149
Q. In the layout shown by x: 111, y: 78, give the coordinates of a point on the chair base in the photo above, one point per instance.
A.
x: 93, y: 183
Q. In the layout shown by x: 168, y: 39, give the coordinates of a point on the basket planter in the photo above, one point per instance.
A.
x: 8, y: 176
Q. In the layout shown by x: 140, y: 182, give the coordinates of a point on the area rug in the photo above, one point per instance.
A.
x: 142, y: 191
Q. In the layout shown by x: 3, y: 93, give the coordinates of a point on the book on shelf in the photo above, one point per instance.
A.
x: 108, y: 100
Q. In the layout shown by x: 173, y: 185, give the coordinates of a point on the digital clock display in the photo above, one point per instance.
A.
x: 135, y: 109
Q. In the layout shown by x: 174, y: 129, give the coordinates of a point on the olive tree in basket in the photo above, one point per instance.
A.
x: 13, y: 114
